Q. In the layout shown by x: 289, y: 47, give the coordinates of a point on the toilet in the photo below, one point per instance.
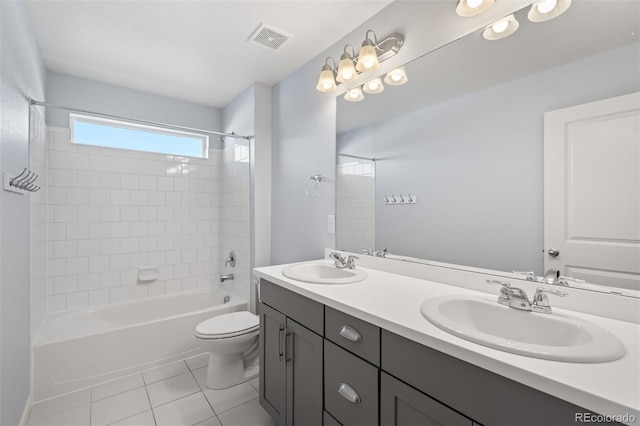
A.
x: 232, y: 342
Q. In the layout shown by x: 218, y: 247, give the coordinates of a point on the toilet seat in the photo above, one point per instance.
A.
x: 228, y: 325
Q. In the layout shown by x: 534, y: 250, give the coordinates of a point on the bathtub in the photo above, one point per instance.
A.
x: 81, y: 348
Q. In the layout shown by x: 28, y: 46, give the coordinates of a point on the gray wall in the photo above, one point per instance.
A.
x: 91, y: 95
x: 476, y: 165
x: 303, y: 121
x: 22, y: 75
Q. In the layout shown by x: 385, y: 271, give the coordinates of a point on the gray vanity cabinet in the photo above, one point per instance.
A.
x: 400, y: 404
x: 290, y: 357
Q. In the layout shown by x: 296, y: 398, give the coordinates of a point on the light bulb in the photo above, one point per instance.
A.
x: 547, y: 6
x: 353, y: 94
x: 396, y: 77
x: 500, y: 27
x: 474, y: 3
x: 326, y: 86
x: 347, y: 75
x: 373, y: 85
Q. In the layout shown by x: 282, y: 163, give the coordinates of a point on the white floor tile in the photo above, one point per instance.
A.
x: 197, y: 361
x: 164, y: 372
x: 117, y: 386
x: 79, y: 416
x: 119, y: 407
x: 249, y: 414
x: 186, y: 411
x: 60, y: 404
x: 201, y: 377
x: 171, y: 389
x: 226, y: 399
x: 213, y: 421
x: 142, y: 419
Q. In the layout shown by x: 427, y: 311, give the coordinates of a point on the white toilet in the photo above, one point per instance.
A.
x: 232, y: 342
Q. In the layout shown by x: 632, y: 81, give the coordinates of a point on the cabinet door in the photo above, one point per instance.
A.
x: 401, y: 404
x: 304, y: 375
x: 272, y: 363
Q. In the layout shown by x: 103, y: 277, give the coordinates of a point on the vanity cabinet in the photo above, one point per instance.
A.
x: 290, y: 357
x: 319, y: 365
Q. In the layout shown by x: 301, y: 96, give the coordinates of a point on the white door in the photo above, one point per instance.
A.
x: 592, y: 191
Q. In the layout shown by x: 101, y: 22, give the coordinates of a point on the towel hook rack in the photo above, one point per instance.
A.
x: 23, y: 182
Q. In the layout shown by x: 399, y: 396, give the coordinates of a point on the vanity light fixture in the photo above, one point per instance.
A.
x: 326, y: 82
x: 354, y: 95
x: 374, y: 86
x: 396, y: 77
x: 545, y: 10
x: 468, y: 8
x: 501, y: 29
x: 368, y: 57
x: 372, y: 53
x: 346, y: 70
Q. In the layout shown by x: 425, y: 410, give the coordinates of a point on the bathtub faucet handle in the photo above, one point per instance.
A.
x: 231, y: 259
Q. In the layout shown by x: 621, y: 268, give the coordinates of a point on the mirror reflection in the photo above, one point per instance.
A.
x: 465, y: 140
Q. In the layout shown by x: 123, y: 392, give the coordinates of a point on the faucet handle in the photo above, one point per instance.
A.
x: 531, y: 276
x: 541, y: 302
x: 368, y: 252
x: 503, y: 299
x: 563, y: 280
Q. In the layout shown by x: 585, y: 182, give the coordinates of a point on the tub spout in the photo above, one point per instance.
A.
x: 226, y: 277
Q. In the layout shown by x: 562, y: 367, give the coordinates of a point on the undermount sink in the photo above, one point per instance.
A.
x: 548, y: 336
x: 323, y: 273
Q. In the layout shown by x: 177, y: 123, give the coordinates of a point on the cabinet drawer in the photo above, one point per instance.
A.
x: 350, y: 387
x: 301, y: 309
x: 353, y: 334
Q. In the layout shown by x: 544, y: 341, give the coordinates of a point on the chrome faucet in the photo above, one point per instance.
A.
x: 552, y: 276
x: 341, y: 263
x: 226, y: 277
x: 378, y: 253
x: 531, y: 276
x: 517, y: 298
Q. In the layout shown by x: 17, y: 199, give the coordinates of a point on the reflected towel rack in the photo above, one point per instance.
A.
x: 399, y: 199
x: 24, y: 182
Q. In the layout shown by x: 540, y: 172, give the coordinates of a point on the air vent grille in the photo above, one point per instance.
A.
x: 269, y: 37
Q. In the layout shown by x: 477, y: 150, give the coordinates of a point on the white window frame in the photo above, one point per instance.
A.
x: 129, y: 125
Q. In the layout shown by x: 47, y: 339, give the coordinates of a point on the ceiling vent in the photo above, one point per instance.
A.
x: 269, y: 37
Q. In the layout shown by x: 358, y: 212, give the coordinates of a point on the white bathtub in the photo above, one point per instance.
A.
x: 78, y: 349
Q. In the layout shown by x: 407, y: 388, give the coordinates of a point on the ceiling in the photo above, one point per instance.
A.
x: 472, y: 63
x: 193, y: 50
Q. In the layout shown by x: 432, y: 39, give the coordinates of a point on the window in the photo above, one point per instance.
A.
x: 89, y: 130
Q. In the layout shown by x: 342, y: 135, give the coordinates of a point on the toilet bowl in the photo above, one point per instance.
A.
x: 232, y: 342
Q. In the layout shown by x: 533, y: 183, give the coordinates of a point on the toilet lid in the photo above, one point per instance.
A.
x: 231, y: 323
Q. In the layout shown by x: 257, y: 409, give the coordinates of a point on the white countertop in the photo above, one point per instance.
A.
x: 392, y: 302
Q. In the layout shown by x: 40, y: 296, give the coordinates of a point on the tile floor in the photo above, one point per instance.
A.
x: 172, y: 395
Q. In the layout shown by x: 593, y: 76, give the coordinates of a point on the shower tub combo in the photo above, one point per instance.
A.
x: 82, y: 348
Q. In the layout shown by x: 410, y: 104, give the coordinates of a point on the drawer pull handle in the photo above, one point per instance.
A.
x: 349, y: 393
x: 350, y: 333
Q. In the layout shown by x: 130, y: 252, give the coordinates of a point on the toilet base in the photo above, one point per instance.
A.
x: 225, y: 371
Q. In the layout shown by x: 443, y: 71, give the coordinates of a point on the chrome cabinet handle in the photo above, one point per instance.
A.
x: 280, y: 349
x: 350, y: 333
x: 286, y: 345
x: 348, y: 393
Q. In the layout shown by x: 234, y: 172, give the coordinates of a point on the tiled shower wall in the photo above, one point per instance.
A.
x: 38, y: 220
x: 114, y: 211
x: 235, y: 214
x: 355, y: 205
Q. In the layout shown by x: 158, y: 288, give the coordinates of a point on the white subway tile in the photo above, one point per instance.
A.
x: 130, y: 245
x: 109, y: 180
x: 120, y: 261
x: 88, y: 179
x: 128, y: 276
x: 109, y: 246
x: 173, y: 257
x: 148, y: 244
x: 165, y: 184
x: 77, y: 161
x: 88, y: 213
x: 109, y: 279
x: 181, y: 270
x: 65, y: 284
x: 57, y: 195
x: 65, y: 213
x: 57, y: 267
x: 57, y: 303
x: 139, y: 260
x: 88, y: 282
x: 139, y: 166
x: 139, y: 291
x: 77, y: 231
x: 99, y: 297
x: 77, y: 300
x: 173, y: 227
x: 120, y: 197
x: 165, y: 272
x: 165, y: 213
x: 173, y: 286
x: 189, y: 256
x: 157, y: 168
x: 157, y: 258
x: 99, y: 163
x: 130, y: 181
x: 99, y: 263
x: 56, y: 231
x: 139, y: 229
x: 156, y: 198
x: 148, y: 213
x: 139, y: 198
x: 119, y: 164
x: 148, y: 183
x: 156, y: 289
x: 77, y: 265
x: 64, y: 249
x: 99, y: 230
x: 57, y: 159
x: 180, y: 184
x: 157, y: 228
x: 119, y: 229
x: 165, y: 242
x: 119, y: 294
x: 181, y: 241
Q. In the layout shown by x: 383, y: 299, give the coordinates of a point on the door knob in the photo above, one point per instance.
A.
x: 553, y: 252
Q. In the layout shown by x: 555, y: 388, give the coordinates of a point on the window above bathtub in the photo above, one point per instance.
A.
x: 108, y: 133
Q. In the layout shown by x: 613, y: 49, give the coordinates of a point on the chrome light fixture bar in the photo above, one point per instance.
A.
x: 351, y: 65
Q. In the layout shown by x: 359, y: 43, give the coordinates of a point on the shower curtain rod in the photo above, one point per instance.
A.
x: 152, y: 123
x: 358, y: 157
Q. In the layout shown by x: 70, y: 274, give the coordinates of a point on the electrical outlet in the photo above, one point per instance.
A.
x: 331, y: 224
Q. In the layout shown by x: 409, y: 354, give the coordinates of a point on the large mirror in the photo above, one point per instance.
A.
x: 464, y: 139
